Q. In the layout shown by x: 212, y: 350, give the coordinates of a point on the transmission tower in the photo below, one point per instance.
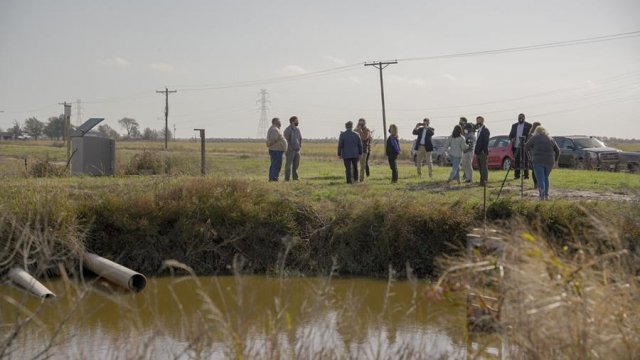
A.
x: 263, y: 124
x: 78, y: 112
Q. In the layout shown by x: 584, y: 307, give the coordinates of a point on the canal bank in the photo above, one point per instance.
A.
x: 220, y: 226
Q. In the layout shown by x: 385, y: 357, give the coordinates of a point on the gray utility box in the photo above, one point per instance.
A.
x: 92, y: 155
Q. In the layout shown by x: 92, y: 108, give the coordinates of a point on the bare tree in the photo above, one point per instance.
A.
x: 130, y: 126
x: 16, y: 130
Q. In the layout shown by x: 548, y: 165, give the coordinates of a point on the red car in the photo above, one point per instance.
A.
x: 500, y: 153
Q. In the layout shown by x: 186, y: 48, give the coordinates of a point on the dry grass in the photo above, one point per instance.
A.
x: 579, y: 301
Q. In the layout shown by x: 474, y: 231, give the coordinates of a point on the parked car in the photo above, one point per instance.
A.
x: 500, y: 153
x: 439, y: 155
x: 586, y: 152
x: 629, y: 160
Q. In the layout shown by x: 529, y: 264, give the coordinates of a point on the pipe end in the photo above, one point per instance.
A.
x: 137, y: 283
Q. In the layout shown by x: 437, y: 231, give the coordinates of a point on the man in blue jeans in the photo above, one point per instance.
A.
x: 350, y: 150
x: 277, y: 145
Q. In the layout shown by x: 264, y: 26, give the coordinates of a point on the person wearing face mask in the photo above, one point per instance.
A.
x: 519, y: 131
x: 294, y: 140
x: 467, y: 156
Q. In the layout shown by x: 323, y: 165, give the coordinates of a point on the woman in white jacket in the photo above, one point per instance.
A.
x: 456, y: 145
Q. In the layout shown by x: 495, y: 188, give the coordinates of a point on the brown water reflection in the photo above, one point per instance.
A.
x: 219, y: 317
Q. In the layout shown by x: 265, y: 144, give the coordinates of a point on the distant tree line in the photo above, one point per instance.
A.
x: 54, y: 129
x: 618, y: 140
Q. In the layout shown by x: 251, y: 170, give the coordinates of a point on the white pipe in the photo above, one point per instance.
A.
x: 114, y: 272
x: 29, y: 283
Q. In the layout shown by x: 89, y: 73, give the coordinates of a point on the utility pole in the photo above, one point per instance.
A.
x: 381, y: 65
x: 202, y: 159
x: 67, y: 126
x: 166, y: 93
x: 263, y: 123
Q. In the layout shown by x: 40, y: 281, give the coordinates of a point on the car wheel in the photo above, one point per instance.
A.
x: 583, y: 164
x: 634, y: 168
x: 506, y: 163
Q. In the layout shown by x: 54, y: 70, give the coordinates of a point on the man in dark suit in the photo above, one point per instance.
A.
x: 423, y: 145
x: 481, y: 150
x: 518, y: 131
x: 350, y: 150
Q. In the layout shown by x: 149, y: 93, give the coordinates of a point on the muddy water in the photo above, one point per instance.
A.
x: 223, y: 317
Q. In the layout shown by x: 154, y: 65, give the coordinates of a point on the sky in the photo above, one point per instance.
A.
x: 114, y: 55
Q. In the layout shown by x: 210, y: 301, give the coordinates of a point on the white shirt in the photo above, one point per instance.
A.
x: 479, y: 130
x: 423, y: 139
x: 519, y: 131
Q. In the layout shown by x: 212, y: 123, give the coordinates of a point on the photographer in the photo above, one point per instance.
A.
x: 518, y: 137
x: 423, y: 145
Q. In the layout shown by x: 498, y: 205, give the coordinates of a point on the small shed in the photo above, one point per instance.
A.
x: 92, y: 155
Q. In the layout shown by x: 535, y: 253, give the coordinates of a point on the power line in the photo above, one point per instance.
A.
x: 273, y: 80
x: 575, y: 42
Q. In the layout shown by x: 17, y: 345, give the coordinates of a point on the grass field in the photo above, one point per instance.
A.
x: 319, y: 166
x: 584, y: 251
x: 236, y: 190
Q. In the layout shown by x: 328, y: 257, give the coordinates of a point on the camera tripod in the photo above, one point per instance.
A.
x: 521, y: 158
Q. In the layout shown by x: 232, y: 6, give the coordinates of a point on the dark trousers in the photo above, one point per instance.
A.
x: 366, y: 166
x: 483, y: 168
x: 517, y: 163
x: 394, y: 167
x: 351, y: 169
x: 276, y: 164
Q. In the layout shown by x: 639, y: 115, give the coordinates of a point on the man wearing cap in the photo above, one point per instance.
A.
x: 294, y: 140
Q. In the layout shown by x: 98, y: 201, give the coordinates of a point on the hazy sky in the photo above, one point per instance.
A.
x: 114, y: 55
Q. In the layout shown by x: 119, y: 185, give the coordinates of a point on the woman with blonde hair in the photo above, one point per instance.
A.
x: 529, y: 135
x: 392, y: 150
x: 544, y: 153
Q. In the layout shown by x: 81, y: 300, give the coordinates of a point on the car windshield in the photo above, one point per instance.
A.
x: 588, y: 143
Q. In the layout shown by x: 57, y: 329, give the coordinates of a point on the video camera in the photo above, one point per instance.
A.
x: 521, y: 140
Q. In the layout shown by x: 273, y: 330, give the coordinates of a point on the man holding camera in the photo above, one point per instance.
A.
x: 518, y: 137
x: 423, y: 145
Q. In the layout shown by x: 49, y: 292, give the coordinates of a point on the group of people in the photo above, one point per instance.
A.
x: 462, y: 146
x: 287, y: 143
x: 531, y: 143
